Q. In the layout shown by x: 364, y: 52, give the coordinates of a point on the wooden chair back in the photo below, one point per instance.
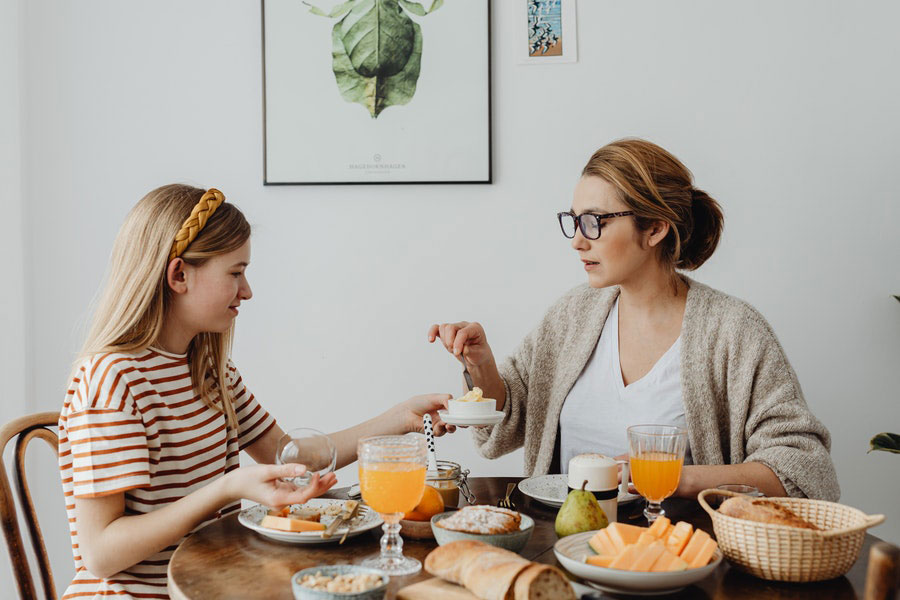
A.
x: 883, y: 574
x: 25, y: 429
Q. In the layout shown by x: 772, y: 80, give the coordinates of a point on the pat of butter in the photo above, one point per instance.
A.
x: 474, y: 395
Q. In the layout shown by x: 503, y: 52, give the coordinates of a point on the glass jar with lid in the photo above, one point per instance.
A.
x: 449, y: 480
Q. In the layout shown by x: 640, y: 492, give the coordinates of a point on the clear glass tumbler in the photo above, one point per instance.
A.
x: 308, y: 447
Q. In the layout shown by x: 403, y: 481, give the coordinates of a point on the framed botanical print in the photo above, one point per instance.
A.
x: 376, y: 91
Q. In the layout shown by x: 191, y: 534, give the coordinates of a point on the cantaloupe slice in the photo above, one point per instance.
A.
x: 703, y: 554
x: 648, y: 556
x: 601, y: 544
x: 645, y: 539
x: 693, y: 546
x: 659, y: 527
x: 669, y: 562
x: 665, y: 535
x: 622, y: 534
x: 625, y: 560
x: 679, y: 537
x: 599, y: 560
x: 285, y: 524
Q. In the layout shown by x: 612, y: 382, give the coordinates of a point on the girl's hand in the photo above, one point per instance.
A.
x: 410, y: 412
x: 464, y: 340
x: 263, y: 484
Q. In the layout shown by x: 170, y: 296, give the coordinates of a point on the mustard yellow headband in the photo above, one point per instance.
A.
x: 201, y: 213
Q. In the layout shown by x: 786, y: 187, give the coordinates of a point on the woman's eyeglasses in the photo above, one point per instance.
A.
x: 589, y: 223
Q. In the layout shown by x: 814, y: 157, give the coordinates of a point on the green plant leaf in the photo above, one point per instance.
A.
x: 337, y: 11
x: 886, y: 442
x: 414, y: 7
x: 378, y: 37
x: 374, y: 65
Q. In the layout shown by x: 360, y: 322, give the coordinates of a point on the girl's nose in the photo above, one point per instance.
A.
x: 246, y: 292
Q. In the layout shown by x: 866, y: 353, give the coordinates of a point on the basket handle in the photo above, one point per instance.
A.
x: 701, y: 498
x: 870, y: 521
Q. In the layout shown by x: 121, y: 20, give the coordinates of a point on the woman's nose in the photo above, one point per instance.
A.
x: 246, y: 292
x: 579, y: 242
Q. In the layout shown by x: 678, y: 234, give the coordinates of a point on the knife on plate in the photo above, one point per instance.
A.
x: 350, y: 507
x: 352, y: 516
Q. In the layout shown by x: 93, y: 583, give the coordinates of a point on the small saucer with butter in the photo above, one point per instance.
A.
x: 473, y: 409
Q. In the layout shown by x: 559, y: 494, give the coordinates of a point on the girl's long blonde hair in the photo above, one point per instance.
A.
x: 132, y: 307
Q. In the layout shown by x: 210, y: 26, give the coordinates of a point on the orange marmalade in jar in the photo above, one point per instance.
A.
x: 448, y: 481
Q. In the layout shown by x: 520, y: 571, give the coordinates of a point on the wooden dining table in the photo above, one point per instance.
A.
x: 226, y: 560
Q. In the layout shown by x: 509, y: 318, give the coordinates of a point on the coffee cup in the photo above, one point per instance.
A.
x: 600, y: 474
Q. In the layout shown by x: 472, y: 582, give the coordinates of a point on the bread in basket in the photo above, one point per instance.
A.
x: 783, y: 553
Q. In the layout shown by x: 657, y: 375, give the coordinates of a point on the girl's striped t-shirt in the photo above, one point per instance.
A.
x: 133, y: 423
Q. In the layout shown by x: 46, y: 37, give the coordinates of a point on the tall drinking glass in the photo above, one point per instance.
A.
x: 392, y: 482
x: 656, y: 453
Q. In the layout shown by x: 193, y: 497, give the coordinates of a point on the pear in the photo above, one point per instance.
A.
x: 580, y: 512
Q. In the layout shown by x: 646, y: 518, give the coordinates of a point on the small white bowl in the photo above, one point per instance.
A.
x: 484, y: 408
x: 302, y: 592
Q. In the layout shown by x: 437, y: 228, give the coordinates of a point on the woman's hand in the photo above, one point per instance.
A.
x: 464, y: 340
x: 263, y: 484
x: 409, y: 413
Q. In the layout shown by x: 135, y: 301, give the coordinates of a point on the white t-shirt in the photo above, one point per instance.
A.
x: 600, y: 406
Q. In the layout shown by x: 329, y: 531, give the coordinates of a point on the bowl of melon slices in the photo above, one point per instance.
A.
x: 622, y: 558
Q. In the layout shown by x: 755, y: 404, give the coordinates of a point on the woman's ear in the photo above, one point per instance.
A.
x: 175, y: 276
x: 657, y: 233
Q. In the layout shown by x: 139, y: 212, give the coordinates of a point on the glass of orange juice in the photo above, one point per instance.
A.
x: 392, y: 482
x: 656, y: 454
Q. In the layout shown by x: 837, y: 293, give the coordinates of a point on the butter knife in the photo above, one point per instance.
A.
x: 352, y: 516
x: 466, y: 376
x: 346, y: 514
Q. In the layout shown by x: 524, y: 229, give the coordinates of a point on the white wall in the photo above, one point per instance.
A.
x: 786, y: 112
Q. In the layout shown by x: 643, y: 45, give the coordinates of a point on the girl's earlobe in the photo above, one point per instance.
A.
x: 175, y: 278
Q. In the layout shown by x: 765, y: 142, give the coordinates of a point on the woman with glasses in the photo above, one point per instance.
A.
x: 642, y: 343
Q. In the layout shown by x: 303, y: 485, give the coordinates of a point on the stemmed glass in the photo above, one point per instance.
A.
x: 392, y: 482
x: 308, y: 447
x: 656, y: 453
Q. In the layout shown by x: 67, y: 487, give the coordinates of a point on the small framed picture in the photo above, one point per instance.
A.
x: 546, y: 31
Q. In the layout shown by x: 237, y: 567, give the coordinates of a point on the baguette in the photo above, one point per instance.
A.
x: 763, y: 511
x: 542, y: 582
x: 492, y: 573
x: 486, y: 571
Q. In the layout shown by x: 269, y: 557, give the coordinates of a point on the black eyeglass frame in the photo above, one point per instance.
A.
x: 579, y: 225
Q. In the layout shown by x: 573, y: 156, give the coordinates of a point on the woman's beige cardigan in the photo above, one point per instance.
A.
x: 742, y: 400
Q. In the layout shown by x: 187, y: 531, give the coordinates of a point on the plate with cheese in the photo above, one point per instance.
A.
x: 622, y: 558
x: 304, y: 523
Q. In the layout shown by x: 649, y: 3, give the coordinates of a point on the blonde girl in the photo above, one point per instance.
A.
x: 640, y: 342
x: 156, y: 413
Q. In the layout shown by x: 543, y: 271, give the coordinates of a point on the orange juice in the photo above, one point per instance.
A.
x: 392, y: 487
x: 656, y: 474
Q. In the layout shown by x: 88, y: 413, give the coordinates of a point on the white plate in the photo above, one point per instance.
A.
x: 364, y: 521
x: 490, y: 419
x: 571, y: 550
x: 553, y: 489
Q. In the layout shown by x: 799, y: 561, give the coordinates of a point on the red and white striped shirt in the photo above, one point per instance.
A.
x: 133, y: 423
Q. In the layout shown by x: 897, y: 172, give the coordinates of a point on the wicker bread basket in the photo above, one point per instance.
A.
x: 783, y: 553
